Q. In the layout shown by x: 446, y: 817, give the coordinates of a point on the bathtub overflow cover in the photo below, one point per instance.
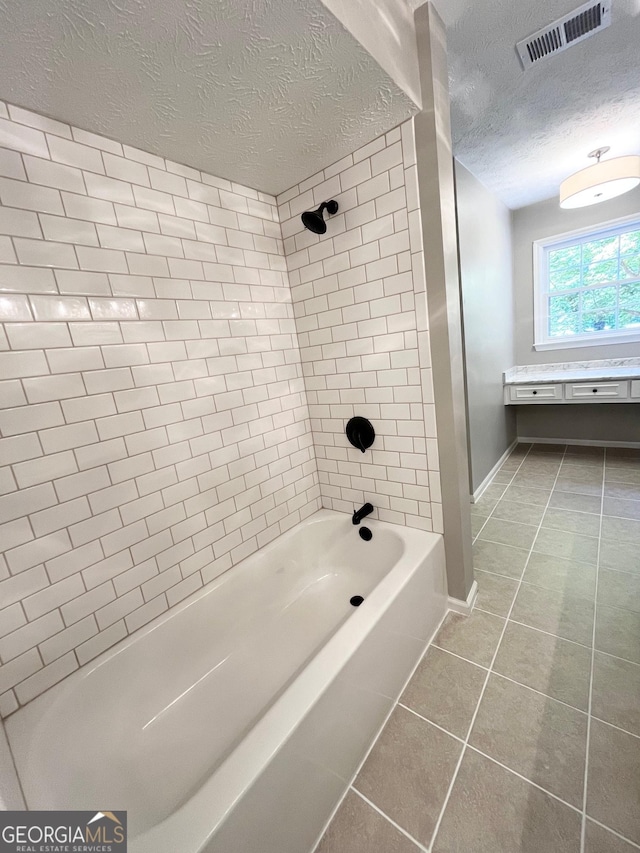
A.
x: 356, y: 600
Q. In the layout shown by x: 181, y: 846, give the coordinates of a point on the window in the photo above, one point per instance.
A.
x: 587, y: 287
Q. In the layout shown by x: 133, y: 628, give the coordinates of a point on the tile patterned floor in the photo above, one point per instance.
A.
x: 519, y: 732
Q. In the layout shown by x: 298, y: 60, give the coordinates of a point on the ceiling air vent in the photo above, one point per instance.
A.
x: 565, y: 32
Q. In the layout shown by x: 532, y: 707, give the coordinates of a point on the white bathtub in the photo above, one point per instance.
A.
x: 234, y: 723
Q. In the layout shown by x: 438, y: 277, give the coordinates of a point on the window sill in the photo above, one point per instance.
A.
x: 599, y: 340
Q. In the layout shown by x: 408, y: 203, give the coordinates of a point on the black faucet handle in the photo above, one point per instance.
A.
x: 360, y: 433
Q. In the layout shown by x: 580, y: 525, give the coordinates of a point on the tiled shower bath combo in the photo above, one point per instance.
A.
x: 179, y: 359
x: 170, y: 364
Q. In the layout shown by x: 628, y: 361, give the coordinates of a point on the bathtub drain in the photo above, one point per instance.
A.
x: 356, y: 600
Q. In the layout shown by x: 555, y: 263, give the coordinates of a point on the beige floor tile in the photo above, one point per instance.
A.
x: 494, y: 492
x: 585, y: 451
x: 623, y: 556
x: 571, y: 546
x: 587, y: 473
x: 534, y: 735
x: 545, y: 449
x: 564, y: 615
x: 578, y: 503
x: 589, y: 460
x: 474, y: 637
x: 621, y: 508
x: 501, y: 559
x: 626, y: 491
x: 358, y: 828
x: 618, y: 632
x: 619, y: 589
x: 621, y: 529
x: 624, y: 462
x: 584, y: 455
x: 534, y: 481
x: 483, y: 509
x: 553, y: 666
x: 495, y: 593
x: 616, y: 692
x: 520, y: 512
x: 527, y: 495
x: 540, y: 468
x: 568, y: 483
x: 600, y: 840
x: 560, y: 574
x: 613, y: 791
x: 503, y: 477
x: 582, y: 523
x: 509, y: 533
x: 510, y: 467
x: 492, y: 811
x: 445, y: 690
x: 622, y: 475
x: 408, y: 772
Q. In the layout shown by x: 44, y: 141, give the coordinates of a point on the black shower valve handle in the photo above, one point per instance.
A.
x: 360, y: 433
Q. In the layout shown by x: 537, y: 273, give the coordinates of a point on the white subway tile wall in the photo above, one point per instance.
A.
x: 360, y: 306
x: 153, y: 419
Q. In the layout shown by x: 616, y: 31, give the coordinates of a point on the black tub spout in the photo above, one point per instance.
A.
x: 361, y: 513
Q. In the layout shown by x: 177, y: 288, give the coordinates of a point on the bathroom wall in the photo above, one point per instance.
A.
x: 486, y: 281
x: 154, y: 428
x: 545, y: 220
x: 360, y: 306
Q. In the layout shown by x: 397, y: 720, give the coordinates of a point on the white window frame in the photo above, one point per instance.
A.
x: 542, y: 341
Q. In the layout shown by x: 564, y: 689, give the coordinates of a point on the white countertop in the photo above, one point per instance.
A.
x: 577, y: 375
x: 574, y: 371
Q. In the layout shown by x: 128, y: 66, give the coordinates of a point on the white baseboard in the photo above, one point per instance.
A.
x: 581, y: 442
x: 464, y: 607
x: 487, y: 480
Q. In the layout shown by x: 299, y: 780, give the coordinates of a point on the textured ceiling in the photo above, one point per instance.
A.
x: 262, y: 92
x: 522, y: 133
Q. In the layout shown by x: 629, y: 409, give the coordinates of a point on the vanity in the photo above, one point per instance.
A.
x: 615, y: 380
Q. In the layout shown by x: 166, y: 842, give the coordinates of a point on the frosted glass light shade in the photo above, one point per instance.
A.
x: 601, y: 182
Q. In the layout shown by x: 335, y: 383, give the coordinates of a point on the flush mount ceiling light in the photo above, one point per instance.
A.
x: 600, y: 182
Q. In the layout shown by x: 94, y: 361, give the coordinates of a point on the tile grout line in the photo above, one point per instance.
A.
x: 583, y: 829
x: 617, y: 834
x: 390, y: 820
x: 525, y: 779
x: 501, y: 496
x: 491, y: 758
x: 528, y: 687
x: 477, y: 536
x: 488, y: 675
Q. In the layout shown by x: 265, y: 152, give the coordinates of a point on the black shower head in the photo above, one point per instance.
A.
x: 314, y: 220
